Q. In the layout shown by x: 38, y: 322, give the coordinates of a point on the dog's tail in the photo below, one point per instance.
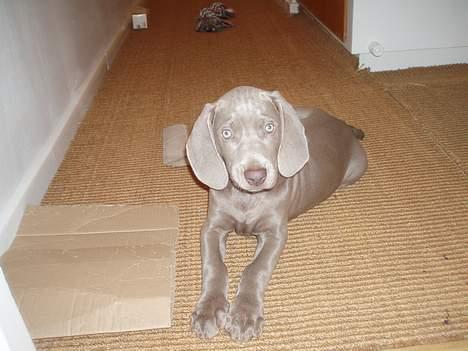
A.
x: 358, y: 133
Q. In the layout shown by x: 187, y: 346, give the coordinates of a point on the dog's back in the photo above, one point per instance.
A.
x: 336, y: 159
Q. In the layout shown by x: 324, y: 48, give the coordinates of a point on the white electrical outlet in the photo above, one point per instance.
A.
x: 139, y: 21
x: 293, y: 7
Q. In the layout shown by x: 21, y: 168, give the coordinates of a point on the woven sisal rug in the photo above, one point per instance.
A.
x: 380, y: 265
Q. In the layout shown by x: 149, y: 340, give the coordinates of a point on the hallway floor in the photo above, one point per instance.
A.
x: 381, y: 264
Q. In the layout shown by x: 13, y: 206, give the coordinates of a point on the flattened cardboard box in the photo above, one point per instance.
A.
x: 91, y: 269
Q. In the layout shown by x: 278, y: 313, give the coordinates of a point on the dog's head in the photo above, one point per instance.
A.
x: 248, y: 136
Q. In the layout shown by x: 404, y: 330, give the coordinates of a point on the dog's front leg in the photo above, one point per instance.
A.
x: 245, y: 317
x: 210, y: 312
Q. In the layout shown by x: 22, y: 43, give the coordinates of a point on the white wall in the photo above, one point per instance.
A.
x: 51, y: 58
x: 53, y: 54
x: 13, y: 333
x: 411, y: 32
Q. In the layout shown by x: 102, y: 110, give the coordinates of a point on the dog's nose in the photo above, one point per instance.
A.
x: 255, y: 176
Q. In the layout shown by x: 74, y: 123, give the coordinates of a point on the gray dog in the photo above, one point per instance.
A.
x: 265, y: 163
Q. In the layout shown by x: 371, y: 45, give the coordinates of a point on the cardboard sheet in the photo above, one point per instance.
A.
x: 174, y: 140
x: 90, y: 269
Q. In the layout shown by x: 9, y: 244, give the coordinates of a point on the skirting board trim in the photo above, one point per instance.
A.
x: 394, y: 60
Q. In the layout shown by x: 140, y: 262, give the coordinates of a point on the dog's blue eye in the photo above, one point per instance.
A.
x: 227, y: 133
x: 269, y: 127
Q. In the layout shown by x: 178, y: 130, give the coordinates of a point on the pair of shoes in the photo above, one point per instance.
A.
x: 214, y: 18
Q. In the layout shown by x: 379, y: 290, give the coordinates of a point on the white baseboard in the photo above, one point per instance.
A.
x: 393, y: 60
x: 42, y: 170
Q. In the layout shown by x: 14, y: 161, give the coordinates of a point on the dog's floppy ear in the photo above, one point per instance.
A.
x: 293, y: 152
x: 202, y: 154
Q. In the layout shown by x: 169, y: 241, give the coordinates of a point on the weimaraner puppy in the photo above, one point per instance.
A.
x: 265, y: 163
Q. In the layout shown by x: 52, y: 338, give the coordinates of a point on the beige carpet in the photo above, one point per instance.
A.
x: 437, y: 99
x: 380, y: 265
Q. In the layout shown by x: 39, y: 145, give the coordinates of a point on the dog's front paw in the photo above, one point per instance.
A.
x: 245, y: 319
x: 209, y: 316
